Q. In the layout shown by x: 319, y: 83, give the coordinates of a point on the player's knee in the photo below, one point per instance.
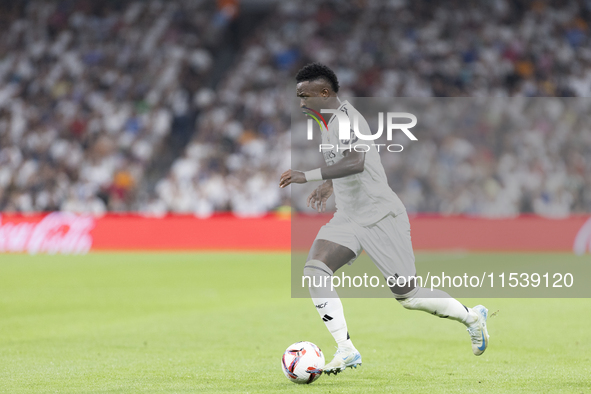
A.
x: 325, y: 261
x: 402, y: 291
x: 316, y: 268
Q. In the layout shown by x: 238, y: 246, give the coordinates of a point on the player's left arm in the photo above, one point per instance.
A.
x: 352, y: 163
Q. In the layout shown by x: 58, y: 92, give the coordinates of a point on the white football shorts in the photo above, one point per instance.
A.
x: 387, y: 242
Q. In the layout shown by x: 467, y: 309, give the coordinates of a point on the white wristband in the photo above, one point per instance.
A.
x: 313, y: 175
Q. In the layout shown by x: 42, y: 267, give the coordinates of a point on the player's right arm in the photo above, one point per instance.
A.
x: 352, y: 163
x: 317, y: 199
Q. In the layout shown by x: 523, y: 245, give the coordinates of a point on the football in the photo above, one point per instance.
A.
x: 302, y: 362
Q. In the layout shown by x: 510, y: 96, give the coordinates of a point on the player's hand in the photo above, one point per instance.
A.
x: 291, y: 176
x: 317, y: 199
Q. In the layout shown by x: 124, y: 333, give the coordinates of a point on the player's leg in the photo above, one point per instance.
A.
x: 439, y: 303
x: 324, y: 259
x: 335, y: 246
x: 389, y: 245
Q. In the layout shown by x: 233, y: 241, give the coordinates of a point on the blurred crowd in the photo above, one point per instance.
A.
x: 87, y: 96
x: 406, y: 49
x: 88, y: 91
x: 494, y: 156
x: 500, y: 157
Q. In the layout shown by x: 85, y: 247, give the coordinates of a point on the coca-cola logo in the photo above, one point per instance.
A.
x: 58, y: 232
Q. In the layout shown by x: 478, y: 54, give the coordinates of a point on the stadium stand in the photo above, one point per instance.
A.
x: 83, y: 111
x: 89, y: 91
x: 497, y: 49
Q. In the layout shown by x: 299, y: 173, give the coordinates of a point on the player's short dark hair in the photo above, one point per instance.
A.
x: 314, y: 71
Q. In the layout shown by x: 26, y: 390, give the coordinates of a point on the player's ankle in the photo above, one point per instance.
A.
x: 346, y: 344
x: 471, y: 318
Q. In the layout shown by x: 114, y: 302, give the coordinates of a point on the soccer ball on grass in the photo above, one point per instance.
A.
x: 302, y: 362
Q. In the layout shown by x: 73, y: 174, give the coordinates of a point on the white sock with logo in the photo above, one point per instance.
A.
x: 327, y: 301
x: 438, y: 303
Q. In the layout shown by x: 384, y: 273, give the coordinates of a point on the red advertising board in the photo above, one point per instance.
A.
x: 68, y: 233
x: 525, y: 233
x: 61, y: 232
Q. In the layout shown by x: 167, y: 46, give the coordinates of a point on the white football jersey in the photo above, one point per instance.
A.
x: 365, y: 197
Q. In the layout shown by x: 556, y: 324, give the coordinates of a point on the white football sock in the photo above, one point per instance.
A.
x: 438, y: 303
x: 327, y: 301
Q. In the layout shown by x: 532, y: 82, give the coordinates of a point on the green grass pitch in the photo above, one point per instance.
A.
x: 213, y: 322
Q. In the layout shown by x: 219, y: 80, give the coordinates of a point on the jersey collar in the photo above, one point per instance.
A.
x: 343, y: 103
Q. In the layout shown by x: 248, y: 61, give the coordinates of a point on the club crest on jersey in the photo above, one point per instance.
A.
x: 352, y: 138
